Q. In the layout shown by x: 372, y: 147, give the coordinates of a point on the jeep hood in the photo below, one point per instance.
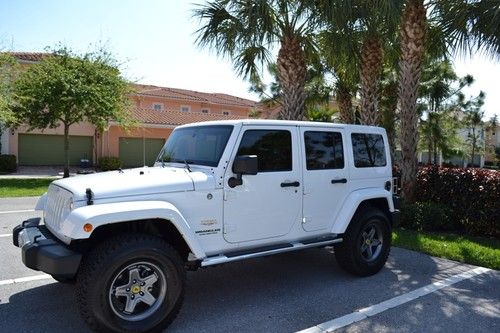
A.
x: 130, y: 182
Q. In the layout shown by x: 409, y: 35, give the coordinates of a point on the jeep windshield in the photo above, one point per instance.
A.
x: 201, y: 145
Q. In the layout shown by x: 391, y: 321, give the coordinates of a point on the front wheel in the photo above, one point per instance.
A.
x: 366, y: 243
x: 131, y: 283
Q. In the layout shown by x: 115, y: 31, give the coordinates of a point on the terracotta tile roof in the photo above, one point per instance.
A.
x: 156, y: 117
x: 196, y: 96
x: 28, y: 56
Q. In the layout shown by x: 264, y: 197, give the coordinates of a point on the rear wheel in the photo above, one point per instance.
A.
x: 366, y: 243
x: 132, y: 283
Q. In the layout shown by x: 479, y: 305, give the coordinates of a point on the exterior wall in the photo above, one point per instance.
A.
x: 147, y: 102
x: 492, y: 141
x: 111, y: 138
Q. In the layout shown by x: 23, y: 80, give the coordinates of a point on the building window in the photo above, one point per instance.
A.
x: 226, y: 113
x: 205, y: 110
x: 185, y: 108
x: 157, y: 106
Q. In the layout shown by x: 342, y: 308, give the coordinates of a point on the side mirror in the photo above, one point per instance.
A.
x: 243, y: 165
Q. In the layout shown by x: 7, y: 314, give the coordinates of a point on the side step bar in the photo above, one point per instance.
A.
x: 266, y: 251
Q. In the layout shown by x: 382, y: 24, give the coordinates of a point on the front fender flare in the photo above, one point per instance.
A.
x: 102, y: 214
x: 352, y: 203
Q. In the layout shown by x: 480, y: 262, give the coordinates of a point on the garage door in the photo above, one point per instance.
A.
x: 40, y: 149
x: 136, y: 152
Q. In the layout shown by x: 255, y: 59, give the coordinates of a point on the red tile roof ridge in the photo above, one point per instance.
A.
x: 150, y: 116
x: 28, y: 56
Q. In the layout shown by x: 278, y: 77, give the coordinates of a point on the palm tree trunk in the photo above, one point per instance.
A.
x: 371, y: 67
x: 292, y: 73
x: 344, y: 100
x: 413, y: 28
x: 66, y: 150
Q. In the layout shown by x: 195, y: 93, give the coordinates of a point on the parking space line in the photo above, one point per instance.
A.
x: 373, y: 310
x: 16, y: 211
x: 5, y: 235
x: 25, y: 279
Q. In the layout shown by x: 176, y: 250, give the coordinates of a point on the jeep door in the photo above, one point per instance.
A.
x: 267, y: 204
x: 325, y: 175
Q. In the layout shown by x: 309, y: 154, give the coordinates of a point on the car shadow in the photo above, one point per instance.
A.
x: 282, y: 293
x: 47, y: 308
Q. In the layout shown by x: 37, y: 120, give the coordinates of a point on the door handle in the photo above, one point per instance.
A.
x: 339, y: 181
x: 291, y: 184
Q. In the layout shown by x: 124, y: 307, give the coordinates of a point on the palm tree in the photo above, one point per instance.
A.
x: 465, y: 25
x: 337, y: 53
x: 247, y: 32
x: 362, y: 34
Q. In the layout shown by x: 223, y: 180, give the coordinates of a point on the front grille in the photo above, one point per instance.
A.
x: 57, y: 207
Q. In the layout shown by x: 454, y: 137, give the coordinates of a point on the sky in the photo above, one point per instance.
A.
x: 155, y: 42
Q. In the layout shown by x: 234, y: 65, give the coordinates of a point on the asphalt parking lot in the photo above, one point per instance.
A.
x: 285, y: 293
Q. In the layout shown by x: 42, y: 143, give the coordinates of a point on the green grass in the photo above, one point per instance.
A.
x: 26, y: 187
x: 471, y: 250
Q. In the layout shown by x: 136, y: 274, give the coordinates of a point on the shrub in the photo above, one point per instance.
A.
x: 8, y: 163
x: 109, y: 163
x: 427, y: 216
x: 471, y: 195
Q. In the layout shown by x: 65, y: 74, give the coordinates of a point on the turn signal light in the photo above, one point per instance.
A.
x: 87, y: 227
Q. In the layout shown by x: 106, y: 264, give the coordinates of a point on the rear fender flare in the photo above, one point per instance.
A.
x: 353, y: 201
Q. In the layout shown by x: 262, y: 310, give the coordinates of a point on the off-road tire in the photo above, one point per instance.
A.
x: 100, y: 267
x: 349, y: 254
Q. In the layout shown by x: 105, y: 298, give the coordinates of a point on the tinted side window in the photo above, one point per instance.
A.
x: 369, y: 150
x: 323, y: 150
x: 273, y: 149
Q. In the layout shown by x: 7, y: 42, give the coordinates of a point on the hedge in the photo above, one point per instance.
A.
x: 109, y: 163
x: 469, y: 197
x: 8, y: 163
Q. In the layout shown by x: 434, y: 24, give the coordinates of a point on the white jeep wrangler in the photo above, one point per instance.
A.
x: 219, y: 192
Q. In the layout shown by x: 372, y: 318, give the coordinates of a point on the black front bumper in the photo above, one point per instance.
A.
x: 42, y: 251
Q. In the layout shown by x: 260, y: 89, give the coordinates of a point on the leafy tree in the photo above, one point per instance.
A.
x: 65, y: 88
x: 474, y: 121
x: 439, y: 89
x: 9, y: 70
x: 247, y: 32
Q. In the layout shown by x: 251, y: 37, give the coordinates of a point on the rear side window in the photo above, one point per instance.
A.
x: 369, y: 150
x: 323, y: 150
x: 273, y: 149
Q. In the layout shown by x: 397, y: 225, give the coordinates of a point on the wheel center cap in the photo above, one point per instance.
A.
x: 368, y: 242
x: 135, y: 289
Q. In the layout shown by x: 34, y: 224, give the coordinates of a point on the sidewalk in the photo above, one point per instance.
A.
x: 42, y: 172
